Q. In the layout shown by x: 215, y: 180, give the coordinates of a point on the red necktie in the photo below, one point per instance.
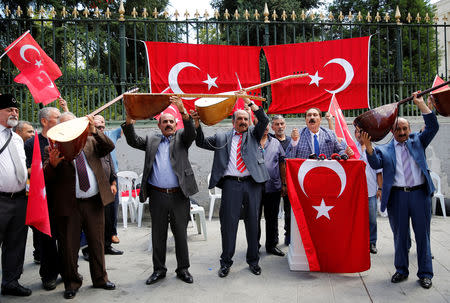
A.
x: 240, y: 165
x: 83, y: 179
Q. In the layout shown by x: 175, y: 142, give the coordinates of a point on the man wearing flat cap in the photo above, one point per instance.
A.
x: 13, y: 200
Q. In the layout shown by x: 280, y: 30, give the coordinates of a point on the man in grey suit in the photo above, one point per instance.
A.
x: 168, y: 181
x: 238, y: 169
x: 315, y: 139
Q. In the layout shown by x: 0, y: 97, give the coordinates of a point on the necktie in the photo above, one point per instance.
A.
x: 18, y: 165
x: 83, y: 179
x: 240, y: 165
x: 316, y: 145
x: 407, y: 172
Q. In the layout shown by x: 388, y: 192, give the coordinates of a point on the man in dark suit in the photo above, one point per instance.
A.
x: 86, y: 191
x: 240, y: 171
x: 168, y: 181
x: 407, y: 190
x: 315, y: 139
x: 13, y: 200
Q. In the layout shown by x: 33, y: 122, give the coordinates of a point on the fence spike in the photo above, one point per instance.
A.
x: 186, y: 14
x: 121, y: 11
x: 312, y: 15
x: 206, y: 14
x: 418, y: 18
x: 53, y: 12
x: 246, y: 14
x: 236, y: 14
x: 197, y: 14
x: 350, y: 16
x: 176, y: 14
x: 378, y: 17
x: 42, y: 12
x: 283, y: 15
x: 341, y: 16
x: 19, y: 11
x: 86, y: 12
x: 293, y: 15
x: 226, y: 14
x: 165, y: 14
x: 303, y: 15
x: 108, y: 13
x: 435, y: 18
x: 7, y: 11
x: 75, y: 13
x: 155, y: 13
x: 359, y: 16
x: 274, y: 15
x: 134, y: 13
x: 397, y: 15
x: 409, y: 17
x: 387, y: 17
x: 30, y: 11
x: 256, y: 14
x: 97, y: 12
x: 266, y: 13
x: 330, y: 16
x: 368, y: 17
x: 216, y: 14
x: 427, y: 18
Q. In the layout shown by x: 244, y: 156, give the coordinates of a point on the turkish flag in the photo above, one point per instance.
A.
x: 38, y: 71
x: 173, y: 110
x: 438, y: 80
x: 27, y: 54
x: 338, y: 67
x: 340, y: 127
x: 37, y: 209
x: 201, y: 68
x: 329, y: 201
x: 40, y: 84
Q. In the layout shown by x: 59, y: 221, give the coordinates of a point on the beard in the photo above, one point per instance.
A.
x: 12, y: 122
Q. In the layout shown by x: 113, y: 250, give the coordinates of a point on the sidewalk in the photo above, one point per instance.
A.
x: 276, y: 283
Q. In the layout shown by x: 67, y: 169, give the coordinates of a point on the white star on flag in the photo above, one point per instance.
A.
x: 315, y: 79
x: 38, y: 63
x: 211, y: 82
x: 322, y: 210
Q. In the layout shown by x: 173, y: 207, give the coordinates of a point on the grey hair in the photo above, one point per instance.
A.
x: 64, y: 114
x: 20, y: 125
x: 277, y: 117
x: 240, y: 110
x: 44, y: 113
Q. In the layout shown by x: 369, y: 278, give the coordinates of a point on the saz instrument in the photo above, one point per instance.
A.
x: 214, y: 110
x: 378, y: 122
x: 69, y: 137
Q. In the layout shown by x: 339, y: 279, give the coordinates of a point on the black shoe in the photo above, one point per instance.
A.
x: 373, y: 248
x: 255, y: 269
x: 224, y: 271
x: 85, y: 253
x: 112, y: 251
x: 107, y: 286
x: 185, y: 276
x: 155, y: 277
x: 70, y: 293
x: 425, y: 282
x: 49, y: 284
x: 275, y: 251
x: 17, y: 290
x: 398, y: 277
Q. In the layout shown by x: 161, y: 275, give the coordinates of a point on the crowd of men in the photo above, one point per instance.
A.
x: 248, y: 165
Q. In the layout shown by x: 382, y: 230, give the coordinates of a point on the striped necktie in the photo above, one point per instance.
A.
x: 240, y: 165
x: 407, y: 171
x: 83, y: 179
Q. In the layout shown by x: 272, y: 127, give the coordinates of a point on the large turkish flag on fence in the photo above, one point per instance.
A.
x: 338, y: 67
x: 201, y: 68
x: 329, y: 201
x: 37, y: 70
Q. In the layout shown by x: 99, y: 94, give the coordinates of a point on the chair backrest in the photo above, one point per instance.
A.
x: 215, y: 191
x: 125, y: 184
x: 437, y: 180
x: 129, y: 175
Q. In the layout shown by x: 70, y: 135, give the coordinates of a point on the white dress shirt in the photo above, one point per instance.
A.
x: 8, y: 180
x: 93, y: 189
x: 399, y: 178
x: 232, y: 169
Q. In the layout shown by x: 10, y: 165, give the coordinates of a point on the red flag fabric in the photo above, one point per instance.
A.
x: 201, y: 68
x: 27, y: 54
x: 40, y: 84
x: 333, y: 220
x: 340, y: 127
x: 37, y: 209
x: 173, y: 110
x: 38, y: 71
x: 438, y: 80
x: 338, y: 67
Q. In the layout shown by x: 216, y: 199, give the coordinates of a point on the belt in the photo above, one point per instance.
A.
x: 89, y: 198
x: 165, y: 190
x: 13, y: 195
x: 408, y: 189
x: 239, y: 179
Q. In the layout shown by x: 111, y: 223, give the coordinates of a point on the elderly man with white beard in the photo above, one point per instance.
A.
x: 13, y: 200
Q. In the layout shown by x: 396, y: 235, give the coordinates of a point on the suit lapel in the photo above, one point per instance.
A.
x: 391, y: 151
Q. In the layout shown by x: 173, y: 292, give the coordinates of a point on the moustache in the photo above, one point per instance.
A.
x: 312, y: 121
x: 168, y: 127
x: 242, y: 124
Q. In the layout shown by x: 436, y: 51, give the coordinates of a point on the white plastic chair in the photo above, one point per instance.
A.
x: 198, y: 212
x: 127, y: 182
x: 215, y: 193
x: 140, y: 207
x: 437, y: 194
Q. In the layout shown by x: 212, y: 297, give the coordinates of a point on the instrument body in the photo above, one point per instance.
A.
x: 69, y: 137
x: 145, y: 106
x: 441, y: 102
x: 214, y: 110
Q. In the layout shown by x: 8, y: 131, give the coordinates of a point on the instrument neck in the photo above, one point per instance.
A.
x: 424, y: 92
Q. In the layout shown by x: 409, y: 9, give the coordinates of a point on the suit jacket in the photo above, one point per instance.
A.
x: 327, y: 141
x: 251, y: 150
x: 179, y: 160
x: 384, y: 157
x: 60, y: 180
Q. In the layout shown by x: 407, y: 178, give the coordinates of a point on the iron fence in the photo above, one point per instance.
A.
x: 101, y: 56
